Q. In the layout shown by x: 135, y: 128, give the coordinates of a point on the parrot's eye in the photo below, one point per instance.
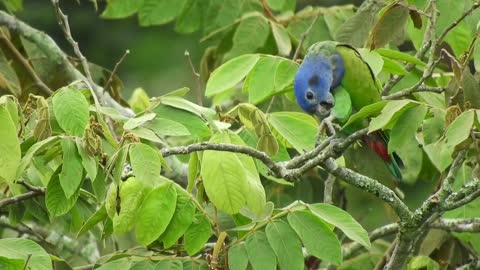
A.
x: 309, y: 95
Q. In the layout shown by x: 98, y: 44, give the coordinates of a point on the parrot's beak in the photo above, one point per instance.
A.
x: 325, y: 106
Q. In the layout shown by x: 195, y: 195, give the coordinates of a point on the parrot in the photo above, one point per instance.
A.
x: 330, y: 66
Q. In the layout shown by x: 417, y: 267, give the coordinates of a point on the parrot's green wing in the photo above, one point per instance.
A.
x: 359, y: 79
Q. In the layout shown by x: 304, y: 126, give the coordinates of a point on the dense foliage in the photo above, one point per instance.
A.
x: 241, y: 178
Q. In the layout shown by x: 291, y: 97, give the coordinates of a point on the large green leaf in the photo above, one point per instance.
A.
x: 56, y: 201
x: 260, y: 254
x: 282, y: 39
x: 146, y: 163
x: 237, y: 257
x: 298, y: 129
x: 400, y: 56
x: 99, y: 215
x: 243, y: 40
x: 169, y: 264
x: 181, y: 220
x: 356, y: 28
x: 319, y: 30
x: 190, y: 18
x: 224, y: 178
x: 8, y: 77
x: 132, y: 193
x: 390, y: 113
x: 25, y: 249
x: 155, y: 213
x: 197, y: 234
x: 255, y: 197
x: 440, y: 152
x: 316, y: 236
x: 124, y: 263
x: 406, y: 127
x: 269, y: 76
x: 71, y: 175
x: 166, y: 127
x: 156, y: 12
x: 230, y: 74
x: 195, y: 125
x: 71, y: 110
x: 9, y: 146
x: 286, y: 245
x: 88, y: 161
x: 117, y: 9
x: 32, y: 151
x: 138, y: 121
x: 391, y: 24
x: 342, y: 220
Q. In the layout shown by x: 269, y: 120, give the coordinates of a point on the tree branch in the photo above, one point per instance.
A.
x: 48, y: 46
x: 26, y: 65
x: 19, y: 198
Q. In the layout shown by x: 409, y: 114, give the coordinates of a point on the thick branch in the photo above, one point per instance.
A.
x: 457, y: 225
x: 26, y: 65
x: 48, y: 46
x: 19, y: 198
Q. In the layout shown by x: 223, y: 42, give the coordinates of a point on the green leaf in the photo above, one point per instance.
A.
x: 72, y: 170
x: 282, y: 39
x: 197, y: 234
x: 224, y: 179
x: 260, y: 254
x: 319, y: 240
x: 195, y: 265
x: 118, y: 9
x: 476, y: 55
x: 89, y: 162
x: 27, y: 158
x: 399, y: 56
x: 17, y: 248
x: 181, y: 220
x: 391, y: 112
x: 342, y: 220
x: 139, y: 100
x: 132, y: 193
x: 138, y: 121
x: 319, y: 30
x: 190, y: 18
x: 393, y: 67
x: 365, y: 112
x: 189, y: 106
x: 355, y: 29
x: 9, y: 147
x: 440, y: 152
x: 298, y: 129
x: 170, y: 264
x: 406, y: 127
x: 57, y: 203
x: 71, y: 110
x: 391, y: 24
x: 255, y: 197
x: 230, y: 74
x: 143, y: 265
x: 146, y: 163
x: 157, y: 12
x: 373, y: 59
x: 124, y: 263
x: 286, y: 245
x: 269, y: 76
x: 11, y: 264
x: 155, y: 213
x: 422, y: 263
x: 99, y: 215
x: 237, y: 257
x: 196, y: 127
x: 243, y: 41
x: 166, y: 127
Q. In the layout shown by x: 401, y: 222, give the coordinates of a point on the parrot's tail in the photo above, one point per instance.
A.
x: 378, y: 142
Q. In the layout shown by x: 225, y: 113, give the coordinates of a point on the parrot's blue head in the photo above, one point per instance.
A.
x: 312, y: 85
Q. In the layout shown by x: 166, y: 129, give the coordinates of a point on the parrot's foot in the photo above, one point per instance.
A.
x: 327, y: 123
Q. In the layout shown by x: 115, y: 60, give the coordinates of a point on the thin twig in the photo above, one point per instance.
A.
x: 115, y: 68
x: 303, y: 37
x: 458, y: 21
x: 267, y: 11
x: 199, y: 92
x: 19, y: 198
x: 24, y: 62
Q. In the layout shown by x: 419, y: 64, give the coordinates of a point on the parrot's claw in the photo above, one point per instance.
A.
x: 327, y: 123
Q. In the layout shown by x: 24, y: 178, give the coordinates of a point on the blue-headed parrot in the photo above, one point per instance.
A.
x: 329, y: 66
